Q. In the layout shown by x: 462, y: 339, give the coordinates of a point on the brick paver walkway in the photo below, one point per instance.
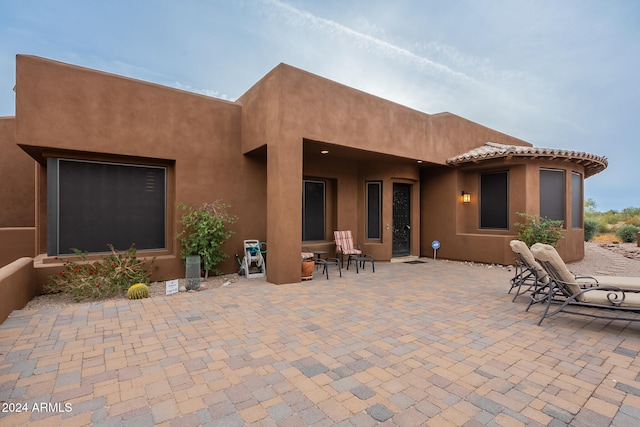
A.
x: 435, y: 344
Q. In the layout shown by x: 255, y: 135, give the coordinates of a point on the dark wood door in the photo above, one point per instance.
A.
x: 401, y: 220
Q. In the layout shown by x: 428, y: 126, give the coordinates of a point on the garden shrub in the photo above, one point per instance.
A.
x: 628, y: 233
x: 539, y: 230
x: 103, y: 278
x: 590, y: 227
x: 205, y: 230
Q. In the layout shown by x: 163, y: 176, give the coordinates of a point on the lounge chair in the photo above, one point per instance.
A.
x: 611, y: 293
x: 345, y: 246
x: 529, y: 273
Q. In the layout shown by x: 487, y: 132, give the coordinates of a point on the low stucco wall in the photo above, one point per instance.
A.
x: 17, y: 286
x: 16, y: 242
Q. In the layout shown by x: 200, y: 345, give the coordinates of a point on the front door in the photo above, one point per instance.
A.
x: 401, y: 220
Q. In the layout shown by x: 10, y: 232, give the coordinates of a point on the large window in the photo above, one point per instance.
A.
x: 374, y: 210
x: 576, y: 200
x: 552, y: 197
x: 92, y: 204
x: 494, y: 200
x: 313, y: 210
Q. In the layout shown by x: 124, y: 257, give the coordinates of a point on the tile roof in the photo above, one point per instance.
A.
x: 492, y: 150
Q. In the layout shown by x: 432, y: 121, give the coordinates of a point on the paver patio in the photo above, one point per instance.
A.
x: 437, y: 344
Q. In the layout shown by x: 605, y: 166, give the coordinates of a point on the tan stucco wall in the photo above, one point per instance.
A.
x: 463, y: 239
x: 68, y: 111
x: 17, y: 286
x: 16, y: 242
x: 253, y: 154
x: 17, y: 183
x: 290, y: 105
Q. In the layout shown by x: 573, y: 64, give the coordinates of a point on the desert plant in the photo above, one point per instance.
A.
x: 590, y: 227
x: 100, y: 279
x: 204, y: 231
x: 628, y: 233
x: 539, y: 230
x: 138, y: 291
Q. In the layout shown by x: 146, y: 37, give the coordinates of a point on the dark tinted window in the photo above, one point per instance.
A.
x: 494, y: 200
x: 313, y: 196
x: 576, y: 200
x: 552, y: 194
x: 374, y: 209
x: 95, y: 203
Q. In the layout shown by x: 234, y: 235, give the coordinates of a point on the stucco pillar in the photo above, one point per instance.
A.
x: 284, y: 211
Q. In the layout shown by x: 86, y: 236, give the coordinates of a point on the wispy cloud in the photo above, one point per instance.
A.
x: 436, y: 75
x: 306, y: 19
x: 207, y: 92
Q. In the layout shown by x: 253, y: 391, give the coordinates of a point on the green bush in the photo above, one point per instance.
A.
x: 539, y: 230
x: 100, y: 279
x: 628, y: 233
x: 205, y: 229
x: 590, y: 227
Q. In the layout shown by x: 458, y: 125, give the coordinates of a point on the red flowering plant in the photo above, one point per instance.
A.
x: 104, y: 278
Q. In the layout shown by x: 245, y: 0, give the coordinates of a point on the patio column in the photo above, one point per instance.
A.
x: 284, y: 211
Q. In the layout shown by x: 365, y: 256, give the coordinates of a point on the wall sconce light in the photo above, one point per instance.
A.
x: 466, y: 197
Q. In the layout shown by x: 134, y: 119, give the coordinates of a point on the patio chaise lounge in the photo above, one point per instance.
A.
x: 529, y: 273
x: 611, y: 293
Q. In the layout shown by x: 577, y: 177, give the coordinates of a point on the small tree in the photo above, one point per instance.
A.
x: 539, y: 230
x: 205, y: 229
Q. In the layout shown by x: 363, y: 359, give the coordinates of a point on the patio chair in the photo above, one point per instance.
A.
x: 529, y: 273
x: 311, y: 256
x: 345, y: 246
x: 620, y: 293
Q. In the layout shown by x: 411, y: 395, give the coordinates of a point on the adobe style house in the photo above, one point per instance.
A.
x: 92, y: 158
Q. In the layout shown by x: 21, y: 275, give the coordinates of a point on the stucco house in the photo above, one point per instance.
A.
x: 92, y: 158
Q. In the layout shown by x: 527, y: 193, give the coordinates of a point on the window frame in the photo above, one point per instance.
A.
x: 544, y: 213
x: 378, y: 230
x: 54, y: 193
x: 577, y: 201
x: 304, y: 207
x: 482, y: 212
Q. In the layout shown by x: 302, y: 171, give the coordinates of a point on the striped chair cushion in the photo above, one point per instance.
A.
x: 344, y: 243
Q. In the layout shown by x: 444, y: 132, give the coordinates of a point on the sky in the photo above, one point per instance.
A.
x: 557, y: 74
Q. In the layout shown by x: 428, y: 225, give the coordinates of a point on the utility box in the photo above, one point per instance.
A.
x: 192, y: 273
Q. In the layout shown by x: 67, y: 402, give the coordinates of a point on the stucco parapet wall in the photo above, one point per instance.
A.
x: 491, y: 150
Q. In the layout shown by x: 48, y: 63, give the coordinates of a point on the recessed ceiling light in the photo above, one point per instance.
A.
x: 419, y: 161
x: 324, y: 152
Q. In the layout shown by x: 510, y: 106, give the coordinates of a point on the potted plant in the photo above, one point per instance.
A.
x: 307, y: 268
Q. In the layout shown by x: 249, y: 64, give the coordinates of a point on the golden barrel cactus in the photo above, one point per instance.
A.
x: 138, y: 291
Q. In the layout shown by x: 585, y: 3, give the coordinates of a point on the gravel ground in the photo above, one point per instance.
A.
x: 600, y: 259
x: 608, y: 259
x: 155, y: 289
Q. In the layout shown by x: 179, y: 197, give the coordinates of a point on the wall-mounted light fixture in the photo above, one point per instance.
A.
x: 324, y: 152
x: 466, y: 197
